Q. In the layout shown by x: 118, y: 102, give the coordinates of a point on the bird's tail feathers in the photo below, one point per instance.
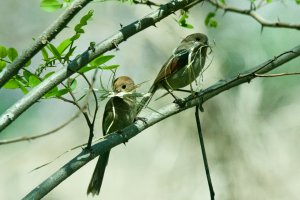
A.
x: 97, y: 178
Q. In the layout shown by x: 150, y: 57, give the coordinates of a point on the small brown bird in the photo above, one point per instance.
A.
x: 182, y: 68
x: 119, y: 113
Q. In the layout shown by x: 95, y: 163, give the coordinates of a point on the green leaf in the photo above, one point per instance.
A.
x: 208, y: 17
x: 47, y: 75
x: 2, y: 64
x: 297, y: 1
x: 110, y: 67
x: 78, y: 28
x: 83, y: 22
x: 50, y: 5
x: 185, y: 25
x: 61, y: 92
x: 73, y: 84
x: 213, y: 23
x: 86, y: 69
x: 64, y: 45
x: 21, y: 79
x: 75, y: 37
x: 12, y: 54
x: 11, y: 84
x: 54, y: 51
x: 33, y: 81
x: 97, y: 62
x: 45, y: 54
x: 51, y: 93
x: 86, y: 17
x: 101, y: 60
x: 28, y: 63
x: 27, y: 74
x: 182, y: 20
x: 210, y: 21
x: 223, y: 1
x: 269, y: 1
x: 70, y: 52
x: 22, y: 83
x: 3, y: 52
x: 23, y: 88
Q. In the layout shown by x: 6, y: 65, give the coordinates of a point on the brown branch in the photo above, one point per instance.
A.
x: 250, y: 12
x: 91, y: 124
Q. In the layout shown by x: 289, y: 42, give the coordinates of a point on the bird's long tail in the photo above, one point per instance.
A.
x: 97, y: 178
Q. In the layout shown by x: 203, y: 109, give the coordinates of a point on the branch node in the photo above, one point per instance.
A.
x: 92, y: 47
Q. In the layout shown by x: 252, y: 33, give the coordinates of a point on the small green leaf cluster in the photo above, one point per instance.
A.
x: 183, y: 19
x: 7, y: 56
x: 210, y: 20
x: 7, y: 53
x: 53, y: 57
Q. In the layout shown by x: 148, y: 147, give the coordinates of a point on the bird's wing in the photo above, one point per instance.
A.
x: 177, y: 61
x: 108, y: 117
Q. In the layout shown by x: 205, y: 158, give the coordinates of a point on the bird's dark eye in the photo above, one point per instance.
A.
x: 197, y: 39
x: 123, y: 86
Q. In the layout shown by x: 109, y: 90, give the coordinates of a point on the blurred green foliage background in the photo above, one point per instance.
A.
x: 251, y: 132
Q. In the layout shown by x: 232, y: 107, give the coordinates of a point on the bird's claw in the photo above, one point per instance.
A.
x: 125, y: 139
x: 143, y: 119
x: 180, y: 102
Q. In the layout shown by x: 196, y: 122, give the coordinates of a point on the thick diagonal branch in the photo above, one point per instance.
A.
x: 110, y: 43
x: 115, y: 139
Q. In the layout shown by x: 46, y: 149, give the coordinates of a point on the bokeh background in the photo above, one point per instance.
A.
x: 251, y: 131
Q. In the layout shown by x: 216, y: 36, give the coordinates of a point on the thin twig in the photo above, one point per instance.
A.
x: 82, y: 109
x: 250, y: 12
x: 211, y: 189
x: 28, y: 138
x: 91, y: 90
x: 67, y: 100
x: 276, y: 75
x: 146, y: 2
x: 84, y: 145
